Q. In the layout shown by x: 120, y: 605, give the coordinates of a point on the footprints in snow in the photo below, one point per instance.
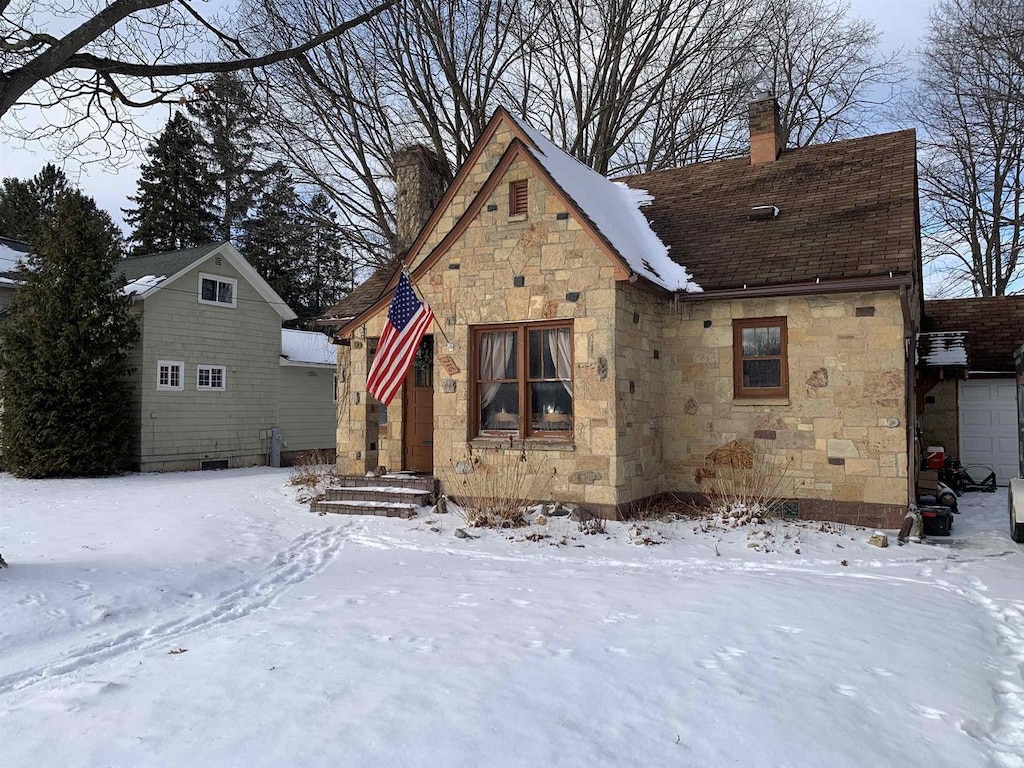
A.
x: 723, y: 656
x: 306, y: 556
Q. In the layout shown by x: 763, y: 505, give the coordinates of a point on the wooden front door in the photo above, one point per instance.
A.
x: 419, y: 410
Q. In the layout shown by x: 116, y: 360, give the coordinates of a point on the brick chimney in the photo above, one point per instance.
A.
x: 765, y: 130
x: 421, y: 178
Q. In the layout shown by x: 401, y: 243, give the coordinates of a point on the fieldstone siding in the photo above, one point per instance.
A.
x: 842, y: 431
x: 472, y: 285
x: 939, y: 421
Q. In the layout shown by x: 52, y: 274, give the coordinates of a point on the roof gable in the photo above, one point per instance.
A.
x: 145, y: 275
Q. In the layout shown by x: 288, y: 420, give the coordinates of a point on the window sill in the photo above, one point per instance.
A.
x: 744, y: 402
x: 517, y: 217
x: 529, y: 444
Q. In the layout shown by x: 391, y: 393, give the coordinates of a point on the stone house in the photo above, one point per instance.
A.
x: 623, y: 333
x: 968, y: 396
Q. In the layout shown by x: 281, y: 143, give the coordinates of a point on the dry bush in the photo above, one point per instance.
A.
x: 312, y: 473
x: 745, y: 482
x: 593, y: 526
x: 492, y: 488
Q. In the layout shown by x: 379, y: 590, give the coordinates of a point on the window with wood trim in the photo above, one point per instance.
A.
x: 760, y: 362
x: 522, y: 381
x: 517, y: 197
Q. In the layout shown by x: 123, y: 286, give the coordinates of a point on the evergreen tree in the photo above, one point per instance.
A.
x: 176, y: 190
x: 272, y: 240
x: 327, y: 268
x: 228, y: 117
x: 64, y: 364
x: 25, y: 204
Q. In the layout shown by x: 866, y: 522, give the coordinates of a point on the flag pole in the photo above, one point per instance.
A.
x: 405, y: 271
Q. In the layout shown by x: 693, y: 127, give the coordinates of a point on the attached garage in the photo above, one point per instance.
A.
x: 988, y: 426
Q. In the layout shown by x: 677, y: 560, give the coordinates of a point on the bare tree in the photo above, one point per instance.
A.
x: 825, y: 68
x: 429, y: 72
x: 133, y: 53
x: 626, y: 86
x: 633, y: 85
x: 970, y: 102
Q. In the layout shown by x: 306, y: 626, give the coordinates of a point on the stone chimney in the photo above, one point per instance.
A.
x: 765, y: 130
x: 421, y: 178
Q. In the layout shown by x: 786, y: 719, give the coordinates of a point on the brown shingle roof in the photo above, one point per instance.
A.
x: 847, y: 209
x: 363, y: 297
x: 995, y: 328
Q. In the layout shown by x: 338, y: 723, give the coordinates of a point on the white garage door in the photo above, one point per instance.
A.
x: 988, y: 427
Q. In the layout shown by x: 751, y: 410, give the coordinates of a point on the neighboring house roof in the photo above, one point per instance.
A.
x: 307, y: 348
x: 145, y: 275
x: 12, y: 254
x: 365, y: 295
x: 994, y: 328
x: 942, y: 349
x: 846, y: 209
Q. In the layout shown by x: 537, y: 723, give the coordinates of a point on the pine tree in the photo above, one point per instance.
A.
x: 64, y: 363
x: 272, y: 239
x: 227, y: 115
x: 327, y: 267
x: 174, y: 206
x: 25, y: 204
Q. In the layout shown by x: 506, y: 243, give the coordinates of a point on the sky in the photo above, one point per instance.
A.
x: 901, y: 24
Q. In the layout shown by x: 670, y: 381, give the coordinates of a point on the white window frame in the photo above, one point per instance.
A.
x: 219, y: 279
x: 211, y: 368
x: 170, y: 365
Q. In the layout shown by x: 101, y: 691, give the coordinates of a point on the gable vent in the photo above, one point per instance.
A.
x: 217, y: 260
x: 763, y: 213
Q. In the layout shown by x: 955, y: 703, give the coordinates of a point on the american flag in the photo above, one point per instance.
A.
x: 408, y: 320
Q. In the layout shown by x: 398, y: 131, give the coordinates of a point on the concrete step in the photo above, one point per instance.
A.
x: 378, y: 508
x: 383, y: 493
x: 425, y: 483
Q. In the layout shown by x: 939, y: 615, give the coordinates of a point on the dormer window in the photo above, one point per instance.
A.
x: 221, y: 291
x: 517, y: 191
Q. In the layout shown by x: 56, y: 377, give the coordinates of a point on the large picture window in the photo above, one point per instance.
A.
x: 523, y: 380
x: 760, y: 364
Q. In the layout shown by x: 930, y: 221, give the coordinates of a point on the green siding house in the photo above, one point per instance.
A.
x: 213, y: 376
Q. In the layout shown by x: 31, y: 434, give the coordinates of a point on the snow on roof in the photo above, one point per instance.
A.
x: 142, y: 284
x: 307, y: 348
x: 614, y: 208
x: 942, y: 349
x: 12, y: 255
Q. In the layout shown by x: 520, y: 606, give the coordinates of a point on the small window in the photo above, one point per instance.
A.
x: 517, y: 191
x: 168, y: 375
x: 523, y: 381
x: 760, y: 364
x: 217, y: 290
x: 211, y: 377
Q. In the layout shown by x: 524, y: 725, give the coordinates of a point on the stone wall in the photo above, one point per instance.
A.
x: 564, y: 276
x: 841, y: 433
x: 939, y: 420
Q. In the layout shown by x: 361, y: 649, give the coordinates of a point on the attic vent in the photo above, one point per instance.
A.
x: 217, y: 260
x: 517, y: 197
x: 763, y: 213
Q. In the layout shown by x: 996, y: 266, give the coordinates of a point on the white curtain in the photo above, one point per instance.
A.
x: 559, y: 340
x: 497, y: 350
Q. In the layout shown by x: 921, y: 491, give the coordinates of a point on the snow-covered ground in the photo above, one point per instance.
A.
x: 207, y: 619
